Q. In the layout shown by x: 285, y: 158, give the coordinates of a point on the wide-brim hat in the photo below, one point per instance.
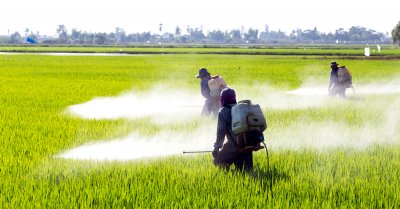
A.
x: 334, y: 63
x: 202, y: 72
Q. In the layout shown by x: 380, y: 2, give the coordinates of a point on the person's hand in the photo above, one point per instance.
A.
x: 215, y: 152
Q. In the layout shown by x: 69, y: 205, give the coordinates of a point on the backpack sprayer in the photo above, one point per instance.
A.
x: 248, y: 123
x: 345, y: 78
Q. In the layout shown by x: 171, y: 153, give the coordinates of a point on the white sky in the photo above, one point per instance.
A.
x: 146, y: 15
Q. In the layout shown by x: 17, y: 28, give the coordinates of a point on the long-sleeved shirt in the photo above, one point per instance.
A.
x: 334, y: 77
x: 224, y: 128
x: 205, y: 89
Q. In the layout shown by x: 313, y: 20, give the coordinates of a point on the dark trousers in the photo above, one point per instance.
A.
x: 242, y: 161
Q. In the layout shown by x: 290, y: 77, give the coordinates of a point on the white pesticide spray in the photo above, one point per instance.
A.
x: 168, y: 106
x: 333, y: 134
x: 135, y: 146
x: 378, y: 88
x: 162, y: 105
x: 329, y: 135
x: 271, y: 98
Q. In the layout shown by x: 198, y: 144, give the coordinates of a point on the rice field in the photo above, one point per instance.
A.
x: 324, y: 152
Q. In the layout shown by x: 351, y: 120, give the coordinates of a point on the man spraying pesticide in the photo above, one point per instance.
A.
x: 340, y: 80
x: 210, y: 89
x: 242, y: 124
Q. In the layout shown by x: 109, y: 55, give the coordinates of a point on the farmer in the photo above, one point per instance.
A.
x: 211, y: 104
x: 229, y: 154
x: 334, y: 86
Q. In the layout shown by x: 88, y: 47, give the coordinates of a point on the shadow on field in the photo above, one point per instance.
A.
x: 268, y: 175
x: 267, y: 178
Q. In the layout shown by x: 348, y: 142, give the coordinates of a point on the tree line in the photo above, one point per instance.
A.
x: 354, y: 35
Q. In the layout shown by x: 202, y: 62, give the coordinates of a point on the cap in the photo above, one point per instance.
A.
x: 202, y: 72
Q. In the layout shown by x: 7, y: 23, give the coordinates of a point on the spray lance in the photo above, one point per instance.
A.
x: 204, y: 151
x: 259, y: 140
x: 252, y: 144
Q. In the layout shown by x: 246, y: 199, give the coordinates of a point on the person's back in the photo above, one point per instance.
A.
x: 229, y: 154
x: 224, y: 129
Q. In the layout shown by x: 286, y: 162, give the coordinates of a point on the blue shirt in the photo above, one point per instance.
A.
x: 205, y: 90
x: 334, y: 76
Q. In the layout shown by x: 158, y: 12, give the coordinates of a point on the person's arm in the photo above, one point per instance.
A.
x: 205, y: 90
x: 221, y: 130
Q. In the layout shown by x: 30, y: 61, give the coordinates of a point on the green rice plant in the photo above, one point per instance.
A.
x: 308, y: 169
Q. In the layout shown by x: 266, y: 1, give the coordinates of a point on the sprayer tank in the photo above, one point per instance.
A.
x: 247, y: 117
x: 216, y: 84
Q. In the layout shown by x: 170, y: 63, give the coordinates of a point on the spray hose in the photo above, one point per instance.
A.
x: 269, y: 170
x: 266, y: 150
x: 268, y: 165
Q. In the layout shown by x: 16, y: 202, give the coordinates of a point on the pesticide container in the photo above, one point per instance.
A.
x: 247, y: 117
x: 216, y: 84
